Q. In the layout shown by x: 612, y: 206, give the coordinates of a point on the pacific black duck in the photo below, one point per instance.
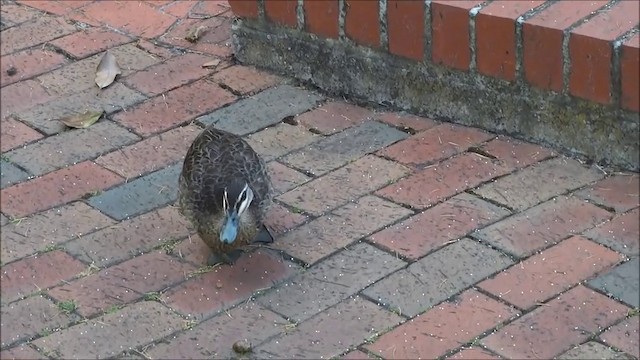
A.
x: 225, y: 191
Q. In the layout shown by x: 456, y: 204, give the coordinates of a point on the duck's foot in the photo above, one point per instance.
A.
x: 264, y: 236
x: 226, y: 258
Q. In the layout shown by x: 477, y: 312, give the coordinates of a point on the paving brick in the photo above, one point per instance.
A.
x: 435, y: 144
x: 334, y: 117
x: 253, y: 272
x: 61, y: 7
x: 331, y: 333
x: 56, y: 188
x: 343, y: 185
x: 325, y: 235
x: 339, y: 149
x: 330, y: 282
x: 91, y: 41
x: 146, y: 273
x: 21, y: 352
x: 448, y: 221
x: 515, y: 153
x: 474, y: 353
x: 624, y: 336
x: 593, y: 350
x: 44, y: 117
x: 619, y: 192
x: 214, y: 337
x: 214, y: 41
x: 141, y: 195
x: 177, y: 107
x: 36, y: 273
x: 429, y: 336
x: 355, y: 354
x: 211, y: 8
x: 3, y: 220
x: 30, y: 317
x: 129, y: 237
x: 32, y: 234
x: 71, y: 147
x: 264, y: 109
x: 542, y: 225
x: 621, y: 233
x: 404, y: 121
x: 154, y: 49
x: 279, y: 219
x: 20, y: 96
x: 550, y: 272
x: 437, y: 276
x: 552, y: 329
x: 279, y: 140
x: 107, y: 336
x: 539, y: 183
x: 28, y: 63
x: 41, y: 30
x: 179, y: 9
x: 136, y: 18
x: 11, y: 174
x: 621, y: 282
x: 284, y: 178
x: 245, y: 79
x: 169, y: 74
x: 428, y: 186
x: 16, y: 14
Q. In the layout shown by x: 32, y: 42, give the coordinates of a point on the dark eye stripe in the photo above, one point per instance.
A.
x: 243, y: 197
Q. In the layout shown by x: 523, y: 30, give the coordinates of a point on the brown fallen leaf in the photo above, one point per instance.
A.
x: 242, y: 347
x: 82, y: 121
x: 194, y: 34
x: 107, y: 70
x: 212, y: 63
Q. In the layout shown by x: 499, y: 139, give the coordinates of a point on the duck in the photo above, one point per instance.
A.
x: 224, y: 190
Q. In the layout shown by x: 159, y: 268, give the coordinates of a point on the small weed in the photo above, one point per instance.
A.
x: 633, y: 312
x: 91, y: 269
x: 91, y: 194
x: 18, y: 221
x: 189, y: 324
x: 4, y: 157
x: 296, y: 210
x: 50, y: 247
x: 67, y: 306
x: 168, y: 245
x: 153, y: 296
x: 45, y: 332
x: 113, y: 308
x: 202, y: 270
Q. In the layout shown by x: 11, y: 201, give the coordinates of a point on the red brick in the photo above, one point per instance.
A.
x: 214, y: 40
x: 473, y: 353
x: 177, y: 107
x: 21, y: 96
x: 245, y: 80
x: 284, y: 178
x: 60, y: 7
x: 21, y: 352
x: 591, y: 51
x: 283, y: 12
x: 161, y: 3
x: 405, y: 27
x: 429, y: 335
x: 629, y: 73
x: 42, y: 30
x: 450, y: 43
x: 210, y: 8
x: 16, y: 14
x: 86, y: 43
x: 225, y: 286
x: 362, y: 22
x: 405, y: 121
x: 14, y: 133
x: 29, y: 63
x: 543, y: 225
x: 451, y: 220
x: 150, y: 154
x: 496, y: 37
x: 550, y: 272
x: 621, y: 233
x: 36, y: 273
x: 428, y: 186
x: 192, y: 249
x: 151, y: 47
x: 619, y: 192
x: 179, y: 9
x: 321, y: 18
x: 279, y: 219
x: 334, y: 117
x: 516, y: 154
x: 170, y: 74
x: 624, y: 336
x: 133, y: 17
x: 435, y: 144
x: 327, y: 234
x: 542, y: 37
x: 356, y: 355
x: 550, y: 330
x: 146, y: 273
x: 245, y: 8
x: 281, y: 139
x: 30, y: 235
x: 56, y: 188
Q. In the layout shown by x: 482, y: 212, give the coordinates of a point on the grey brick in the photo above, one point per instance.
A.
x: 261, y: 110
x: 45, y: 116
x: 71, y: 147
x: 438, y: 276
x: 336, y: 150
x: 593, y: 350
x: 621, y: 282
x: 3, y: 220
x: 331, y: 281
x: 141, y: 195
x: 11, y: 174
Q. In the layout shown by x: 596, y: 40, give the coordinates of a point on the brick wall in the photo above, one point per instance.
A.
x: 585, y: 49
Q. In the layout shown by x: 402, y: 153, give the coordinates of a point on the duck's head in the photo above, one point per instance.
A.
x: 236, y: 199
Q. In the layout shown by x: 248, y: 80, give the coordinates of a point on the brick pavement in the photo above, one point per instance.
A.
x: 399, y: 236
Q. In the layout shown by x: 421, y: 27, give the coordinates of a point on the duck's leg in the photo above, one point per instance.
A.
x: 265, y: 236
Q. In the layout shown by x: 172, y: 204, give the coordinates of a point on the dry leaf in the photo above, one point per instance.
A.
x: 212, y: 63
x: 82, y: 121
x: 194, y: 34
x: 107, y: 70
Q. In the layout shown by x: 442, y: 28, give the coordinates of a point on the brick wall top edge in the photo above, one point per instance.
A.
x: 611, y: 23
x: 563, y: 14
x: 510, y: 9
